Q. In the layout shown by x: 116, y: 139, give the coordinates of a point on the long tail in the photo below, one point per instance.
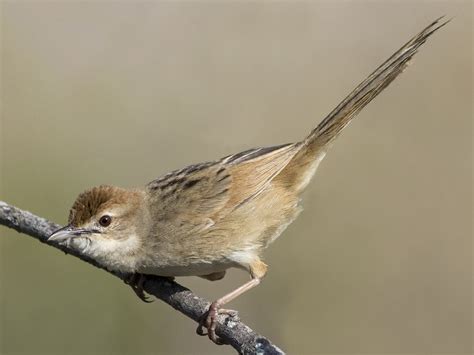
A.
x: 366, y: 91
x: 312, y: 149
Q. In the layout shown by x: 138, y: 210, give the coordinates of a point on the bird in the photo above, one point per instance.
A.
x: 207, y: 218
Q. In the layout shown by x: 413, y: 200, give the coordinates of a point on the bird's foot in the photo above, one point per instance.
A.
x: 136, y: 281
x: 209, y: 321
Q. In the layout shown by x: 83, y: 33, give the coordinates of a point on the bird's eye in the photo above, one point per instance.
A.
x: 105, y: 220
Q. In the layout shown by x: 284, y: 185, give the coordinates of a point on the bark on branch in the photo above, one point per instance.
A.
x: 232, y: 330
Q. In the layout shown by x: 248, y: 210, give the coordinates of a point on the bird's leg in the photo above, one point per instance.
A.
x: 257, y: 271
x: 135, y: 281
x: 210, y: 320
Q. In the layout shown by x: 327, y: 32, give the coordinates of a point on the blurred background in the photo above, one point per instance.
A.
x: 105, y: 92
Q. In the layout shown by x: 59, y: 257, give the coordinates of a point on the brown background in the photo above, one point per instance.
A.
x: 120, y: 93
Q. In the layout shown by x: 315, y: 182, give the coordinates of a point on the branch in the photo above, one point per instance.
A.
x: 231, y: 330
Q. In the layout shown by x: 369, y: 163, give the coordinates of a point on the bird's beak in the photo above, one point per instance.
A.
x: 68, y: 232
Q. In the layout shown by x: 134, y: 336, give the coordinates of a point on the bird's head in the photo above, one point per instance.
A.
x: 105, y: 223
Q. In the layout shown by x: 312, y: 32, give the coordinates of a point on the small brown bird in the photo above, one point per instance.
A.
x: 209, y: 217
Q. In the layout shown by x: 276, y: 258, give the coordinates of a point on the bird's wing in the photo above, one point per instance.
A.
x: 253, y: 170
x: 194, y: 198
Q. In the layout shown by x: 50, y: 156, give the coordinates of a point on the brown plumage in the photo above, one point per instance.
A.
x: 209, y: 217
x: 91, y: 202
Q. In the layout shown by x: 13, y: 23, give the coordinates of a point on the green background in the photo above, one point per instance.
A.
x: 111, y: 92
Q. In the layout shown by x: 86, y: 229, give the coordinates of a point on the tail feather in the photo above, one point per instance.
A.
x: 366, y: 91
x: 312, y: 150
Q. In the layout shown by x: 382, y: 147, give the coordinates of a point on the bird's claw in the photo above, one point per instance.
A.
x: 136, y: 281
x: 209, y: 321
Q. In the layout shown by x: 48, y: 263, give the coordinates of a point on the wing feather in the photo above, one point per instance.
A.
x: 194, y: 198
